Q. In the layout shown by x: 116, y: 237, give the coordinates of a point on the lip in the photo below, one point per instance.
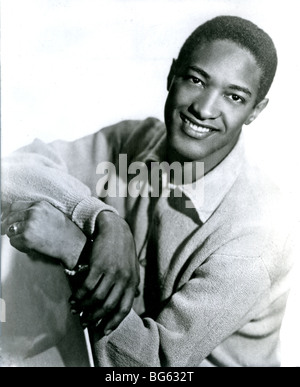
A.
x: 189, y: 130
x: 193, y: 121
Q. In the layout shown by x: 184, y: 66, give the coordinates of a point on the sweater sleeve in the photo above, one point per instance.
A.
x: 65, y: 173
x: 58, y: 173
x: 194, y: 321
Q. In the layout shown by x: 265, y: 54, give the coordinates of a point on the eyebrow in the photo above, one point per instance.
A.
x: 200, y: 71
x: 240, y: 88
x: 233, y: 87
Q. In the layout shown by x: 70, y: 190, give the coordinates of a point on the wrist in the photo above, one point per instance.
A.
x: 103, y: 218
x: 72, y: 256
x: 82, y: 264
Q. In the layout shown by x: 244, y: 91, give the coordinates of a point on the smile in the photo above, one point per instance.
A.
x: 195, y: 130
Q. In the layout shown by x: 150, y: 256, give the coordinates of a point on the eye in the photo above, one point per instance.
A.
x: 236, y: 98
x: 195, y: 80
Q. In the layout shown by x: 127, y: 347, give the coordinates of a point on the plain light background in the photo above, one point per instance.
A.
x: 70, y: 67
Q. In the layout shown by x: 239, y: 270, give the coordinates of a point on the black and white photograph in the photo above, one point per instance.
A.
x: 150, y: 189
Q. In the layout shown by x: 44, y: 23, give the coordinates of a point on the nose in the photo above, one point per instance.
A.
x: 205, y: 106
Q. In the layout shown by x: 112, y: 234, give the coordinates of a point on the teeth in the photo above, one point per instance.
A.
x: 195, y: 127
x: 199, y: 128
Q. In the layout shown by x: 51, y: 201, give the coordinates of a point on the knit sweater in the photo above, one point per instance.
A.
x: 214, y: 277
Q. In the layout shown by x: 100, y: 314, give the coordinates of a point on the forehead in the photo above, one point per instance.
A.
x: 226, y: 62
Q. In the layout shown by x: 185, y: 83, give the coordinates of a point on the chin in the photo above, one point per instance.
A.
x: 184, y: 149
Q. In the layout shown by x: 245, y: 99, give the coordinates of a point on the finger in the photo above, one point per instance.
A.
x: 101, y: 290
x: 95, y: 275
x: 121, y: 312
x: 82, y: 292
x: 13, y: 217
x: 99, y: 310
x: 18, y: 243
x: 15, y: 213
x: 20, y: 205
x: 15, y: 229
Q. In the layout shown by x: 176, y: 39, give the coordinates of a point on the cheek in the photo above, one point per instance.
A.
x: 179, y: 96
x: 235, y: 118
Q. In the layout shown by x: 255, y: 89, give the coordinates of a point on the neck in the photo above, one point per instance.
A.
x: 210, y: 162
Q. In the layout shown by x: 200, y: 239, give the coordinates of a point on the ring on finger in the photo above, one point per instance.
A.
x: 13, y: 229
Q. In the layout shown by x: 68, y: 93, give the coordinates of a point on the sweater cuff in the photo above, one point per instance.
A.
x: 86, y: 211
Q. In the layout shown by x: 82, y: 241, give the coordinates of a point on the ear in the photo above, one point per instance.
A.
x: 257, y: 110
x: 171, y: 75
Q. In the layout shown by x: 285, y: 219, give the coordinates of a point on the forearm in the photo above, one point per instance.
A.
x: 71, y: 249
x: 195, y: 321
x: 64, y: 173
x: 36, y: 173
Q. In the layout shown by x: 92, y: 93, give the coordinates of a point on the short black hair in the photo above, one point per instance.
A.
x: 245, y: 34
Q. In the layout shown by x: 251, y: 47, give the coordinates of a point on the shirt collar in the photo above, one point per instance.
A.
x: 216, y: 183
x: 207, y: 193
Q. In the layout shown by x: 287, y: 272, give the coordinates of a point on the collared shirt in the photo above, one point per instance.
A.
x: 217, y: 183
x: 215, y: 277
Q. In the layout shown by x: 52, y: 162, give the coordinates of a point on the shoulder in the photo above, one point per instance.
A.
x: 137, y: 131
x: 258, y: 198
x: 260, y: 220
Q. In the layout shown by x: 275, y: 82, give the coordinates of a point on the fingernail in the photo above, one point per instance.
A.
x: 72, y: 302
x: 74, y: 311
x: 107, y: 333
x: 84, y: 324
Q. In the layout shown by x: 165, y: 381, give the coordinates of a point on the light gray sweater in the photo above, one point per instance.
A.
x: 217, y: 273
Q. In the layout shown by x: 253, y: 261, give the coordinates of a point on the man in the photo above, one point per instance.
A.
x: 213, y: 270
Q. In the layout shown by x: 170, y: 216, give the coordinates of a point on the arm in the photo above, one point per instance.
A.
x: 64, y: 175
x: 38, y: 173
x: 41, y: 228
x: 114, y: 255
x: 224, y: 306
x: 219, y: 299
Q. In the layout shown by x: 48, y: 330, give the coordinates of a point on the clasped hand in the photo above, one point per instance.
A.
x: 105, y: 296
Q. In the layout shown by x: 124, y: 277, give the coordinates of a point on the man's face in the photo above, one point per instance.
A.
x: 210, y: 98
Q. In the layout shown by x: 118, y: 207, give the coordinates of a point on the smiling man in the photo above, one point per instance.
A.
x: 214, y: 89
x: 214, y: 277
